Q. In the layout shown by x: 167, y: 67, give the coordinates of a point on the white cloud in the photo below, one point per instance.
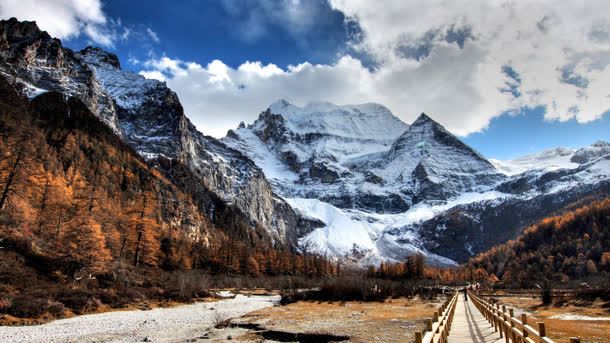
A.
x: 153, y: 74
x: 445, y: 59
x: 64, y: 19
x: 153, y: 35
x: 538, y: 39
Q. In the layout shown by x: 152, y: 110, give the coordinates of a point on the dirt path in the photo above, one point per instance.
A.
x: 159, y: 325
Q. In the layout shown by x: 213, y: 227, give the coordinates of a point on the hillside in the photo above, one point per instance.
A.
x: 148, y: 117
x: 572, y: 246
x: 86, y: 222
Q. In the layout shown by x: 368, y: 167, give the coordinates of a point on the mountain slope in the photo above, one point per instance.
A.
x: 433, y: 164
x: 76, y: 192
x: 145, y: 114
x: 572, y: 246
x: 87, y: 224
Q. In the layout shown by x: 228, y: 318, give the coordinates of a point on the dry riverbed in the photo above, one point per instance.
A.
x: 177, y: 324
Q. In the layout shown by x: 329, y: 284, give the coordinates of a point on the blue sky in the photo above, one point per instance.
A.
x: 512, y: 136
x: 202, y: 31
x: 468, y: 68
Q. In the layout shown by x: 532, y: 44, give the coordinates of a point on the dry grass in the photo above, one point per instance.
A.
x: 392, y: 320
x: 561, y: 330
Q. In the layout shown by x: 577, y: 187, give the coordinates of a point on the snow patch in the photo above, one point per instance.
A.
x: 339, y: 236
x: 573, y: 316
x: 353, y: 231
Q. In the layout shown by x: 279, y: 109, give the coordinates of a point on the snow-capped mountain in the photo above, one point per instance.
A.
x: 144, y: 113
x: 317, y: 151
x: 384, y: 189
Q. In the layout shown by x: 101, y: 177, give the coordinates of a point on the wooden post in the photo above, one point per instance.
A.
x: 506, y: 327
x: 541, y: 331
x: 435, y: 316
x: 511, y: 315
x: 574, y: 340
x: 418, y: 337
x: 498, y: 322
x: 429, y: 324
x: 524, y: 323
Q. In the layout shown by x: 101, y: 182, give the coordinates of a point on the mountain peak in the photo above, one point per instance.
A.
x: 99, y: 56
x: 424, y: 119
x: 280, y: 105
x: 16, y: 29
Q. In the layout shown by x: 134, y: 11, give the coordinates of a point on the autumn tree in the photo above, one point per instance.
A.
x: 83, y: 241
x: 142, y: 236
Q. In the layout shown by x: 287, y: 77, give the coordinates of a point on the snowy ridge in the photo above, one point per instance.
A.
x: 304, y: 150
x: 361, y: 122
x: 438, y: 155
x: 127, y: 89
x: 553, y: 159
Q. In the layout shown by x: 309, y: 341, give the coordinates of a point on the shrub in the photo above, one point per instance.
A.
x: 56, y: 309
x: 27, y: 307
x: 5, y: 303
x: 79, y: 301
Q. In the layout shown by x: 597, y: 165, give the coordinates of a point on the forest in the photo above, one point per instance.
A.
x: 566, y: 249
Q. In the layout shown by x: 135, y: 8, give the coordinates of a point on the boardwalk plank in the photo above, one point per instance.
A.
x: 469, y: 325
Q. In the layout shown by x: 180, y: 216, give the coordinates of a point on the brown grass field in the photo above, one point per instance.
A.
x: 390, y: 321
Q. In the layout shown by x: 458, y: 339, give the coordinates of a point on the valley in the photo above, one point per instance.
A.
x: 157, y: 325
x: 121, y: 221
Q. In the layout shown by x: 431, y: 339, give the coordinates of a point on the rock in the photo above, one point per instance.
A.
x: 321, y: 172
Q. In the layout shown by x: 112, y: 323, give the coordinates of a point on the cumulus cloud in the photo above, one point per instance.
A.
x: 559, y: 51
x: 462, y: 63
x: 65, y: 19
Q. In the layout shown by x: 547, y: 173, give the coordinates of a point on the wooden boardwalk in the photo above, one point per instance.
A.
x: 469, y: 325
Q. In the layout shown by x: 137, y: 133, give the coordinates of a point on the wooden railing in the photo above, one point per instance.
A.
x: 510, y: 328
x: 437, y: 328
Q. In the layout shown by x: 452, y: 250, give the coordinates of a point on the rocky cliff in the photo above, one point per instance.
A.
x: 147, y: 115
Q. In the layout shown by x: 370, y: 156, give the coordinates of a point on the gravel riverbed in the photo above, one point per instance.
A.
x: 174, y: 324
